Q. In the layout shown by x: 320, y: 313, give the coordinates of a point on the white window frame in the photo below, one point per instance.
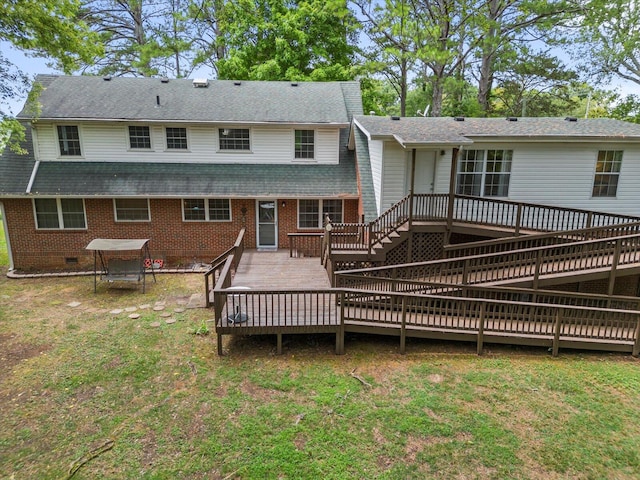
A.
x: 608, y: 174
x: 115, y: 211
x: 483, y: 173
x: 313, y: 144
x: 60, y: 215
x: 233, y: 150
x: 139, y: 149
x: 206, y: 210
x: 58, y: 139
x: 320, y: 219
x: 166, y: 138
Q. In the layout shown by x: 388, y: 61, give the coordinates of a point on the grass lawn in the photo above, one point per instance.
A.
x: 107, y: 396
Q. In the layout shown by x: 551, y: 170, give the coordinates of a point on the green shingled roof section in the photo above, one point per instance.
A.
x: 367, y: 191
x: 15, y: 169
x: 118, y: 179
x: 446, y: 130
x: 127, y: 98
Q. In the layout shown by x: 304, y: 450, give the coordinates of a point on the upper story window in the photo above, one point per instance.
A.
x: 132, y: 209
x: 139, y: 137
x: 69, y: 140
x: 304, y: 144
x: 311, y: 213
x: 206, y: 209
x: 484, y: 173
x: 176, y: 138
x: 608, y: 164
x: 60, y: 213
x: 234, y: 139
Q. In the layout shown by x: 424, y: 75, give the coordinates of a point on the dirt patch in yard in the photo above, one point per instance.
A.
x: 12, y: 352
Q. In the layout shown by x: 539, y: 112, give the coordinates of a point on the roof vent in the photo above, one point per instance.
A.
x: 107, y: 78
x: 372, y: 113
x: 164, y: 80
x: 512, y: 119
x: 294, y: 84
x: 200, y: 82
x: 570, y: 119
x: 459, y: 119
x: 395, y: 118
x: 237, y: 84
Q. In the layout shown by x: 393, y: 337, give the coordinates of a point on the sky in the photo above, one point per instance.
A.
x: 32, y: 66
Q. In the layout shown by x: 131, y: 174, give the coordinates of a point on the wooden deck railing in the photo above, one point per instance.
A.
x: 214, y: 273
x: 537, y: 240
x: 518, y: 216
x: 305, y: 244
x: 531, y: 263
x: 340, y: 310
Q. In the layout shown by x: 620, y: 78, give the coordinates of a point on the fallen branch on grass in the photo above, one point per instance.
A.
x: 360, y: 379
x: 90, y: 455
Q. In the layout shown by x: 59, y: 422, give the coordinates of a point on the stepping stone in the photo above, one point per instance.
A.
x: 145, y: 306
x: 160, y: 302
x: 170, y: 321
x: 131, y: 309
x: 178, y: 310
x: 154, y: 324
x: 165, y: 315
x: 158, y: 308
x: 181, y: 302
x: 197, y: 300
x: 117, y: 311
x: 134, y: 316
x: 74, y: 304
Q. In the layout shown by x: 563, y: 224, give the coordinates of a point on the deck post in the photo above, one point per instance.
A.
x: 403, y: 326
x: 536, y: 275
x: 452, y: 192
x: 279, y: 344
x: 614, y: 266
x: 220, y: 352
x: 481, y: 329
x: 518, y: 220
x: 556, y: 334
x: 340, y: 331
x: 636, y: 345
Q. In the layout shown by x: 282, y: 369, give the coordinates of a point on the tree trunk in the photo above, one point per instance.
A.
x: 485, y: 82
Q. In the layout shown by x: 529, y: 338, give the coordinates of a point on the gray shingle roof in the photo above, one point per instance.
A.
x: 93, y: 98
x: 448, y: 131
x: 15, y: 169
x: 118, y: 179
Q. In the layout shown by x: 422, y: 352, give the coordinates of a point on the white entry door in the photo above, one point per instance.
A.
x: 267, y: 223
x: 425, y: 169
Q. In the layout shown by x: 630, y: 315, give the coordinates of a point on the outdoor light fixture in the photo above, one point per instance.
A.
x: 284, y: 204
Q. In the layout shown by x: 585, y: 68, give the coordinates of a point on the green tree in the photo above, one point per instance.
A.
x: 287, y: 40
x: 42, y: 28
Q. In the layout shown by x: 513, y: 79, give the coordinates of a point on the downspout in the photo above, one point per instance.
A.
x: 32, y: 179
x: 6, y: 235
x: 452, y: 192
x: 412, y: 186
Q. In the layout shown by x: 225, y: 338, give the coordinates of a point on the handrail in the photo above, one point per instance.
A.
x: 235, y: 252
x: 310, y: 244
x: 517, y: 264
x: 538, y: 239
x: 519, y: 216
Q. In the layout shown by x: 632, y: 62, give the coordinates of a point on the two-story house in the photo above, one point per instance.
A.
x: 184, y: 163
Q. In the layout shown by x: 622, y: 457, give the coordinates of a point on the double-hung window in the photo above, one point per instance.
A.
x: 608, y: 164
x: 311, y: 213
x: 69, y: 140
x: 234, y: 139
x: 206, y: 209
x: 176, y: 138
x: 132, y: 209
x: 139, y: 137
x: 60, y: 213
x: 304, y: 144
x: 485, y: 173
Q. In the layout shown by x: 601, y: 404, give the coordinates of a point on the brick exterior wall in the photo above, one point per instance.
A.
x: 177, y: 242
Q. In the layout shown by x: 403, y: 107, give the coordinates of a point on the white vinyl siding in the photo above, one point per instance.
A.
x: 376, y: 149
x: 394, y: 170
x: 109, y: 142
